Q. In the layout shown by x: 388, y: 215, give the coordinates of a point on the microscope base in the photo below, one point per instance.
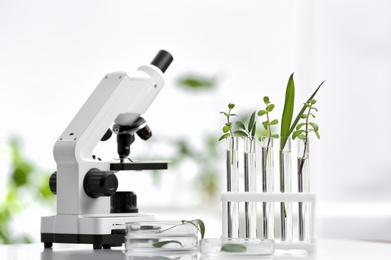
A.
x: 98, y: 241
x: 102, y: 231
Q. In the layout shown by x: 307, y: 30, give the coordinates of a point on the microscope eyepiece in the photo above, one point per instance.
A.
x: 162, y: 60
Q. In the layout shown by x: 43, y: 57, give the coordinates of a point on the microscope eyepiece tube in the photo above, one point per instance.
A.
x: 162, y: 60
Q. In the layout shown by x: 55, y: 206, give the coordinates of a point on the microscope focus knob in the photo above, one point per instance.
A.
x: 123, y: 202
x: 53, y: 182
x: 99, y: 183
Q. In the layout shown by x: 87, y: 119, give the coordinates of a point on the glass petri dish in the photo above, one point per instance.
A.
x: 161, y: 236
x: 236, y: 247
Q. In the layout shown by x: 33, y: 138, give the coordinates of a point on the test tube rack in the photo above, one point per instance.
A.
x: 273, y: 197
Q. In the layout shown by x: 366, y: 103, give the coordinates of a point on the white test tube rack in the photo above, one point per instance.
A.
x: 276, y: 197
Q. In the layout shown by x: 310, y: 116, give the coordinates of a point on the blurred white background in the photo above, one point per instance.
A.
x: 54, y: 53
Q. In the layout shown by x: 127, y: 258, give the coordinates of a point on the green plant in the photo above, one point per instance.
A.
x: 287, y: 127
x: 196, y: 82
x: 227, y: 128
x: 198, y: 223
x: 303, y: 130
x: 249, y: 131
x: 27, y: 183
x: 267, y: 125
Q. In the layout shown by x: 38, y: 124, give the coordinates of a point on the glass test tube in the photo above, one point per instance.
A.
x: 303, y: 177
x: 250, y: 186
x: 286, y: 186
x: 232, y: 185
x: 267, y: 186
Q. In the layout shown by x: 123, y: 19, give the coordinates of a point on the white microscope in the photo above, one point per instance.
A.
x: 89, y: 208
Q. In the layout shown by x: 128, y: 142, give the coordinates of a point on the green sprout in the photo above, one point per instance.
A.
x: 303, y: 130
x: 249, y: 131
x: 198, y: 223
x: 227, y: 128
x: 267, y: 125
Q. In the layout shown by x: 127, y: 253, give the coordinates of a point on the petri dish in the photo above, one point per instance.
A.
x: 161, y: 236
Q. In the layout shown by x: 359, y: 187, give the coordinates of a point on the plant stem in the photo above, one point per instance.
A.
x: 302, y: 160
x: 232, y: 137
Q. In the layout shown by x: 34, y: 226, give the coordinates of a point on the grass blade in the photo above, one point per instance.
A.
x: 287, y: 113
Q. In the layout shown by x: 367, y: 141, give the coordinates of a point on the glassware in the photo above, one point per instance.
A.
x: 161, y: 236
x: 231, y: 247
x: 232, y: 186
x: 286, y: 186
x: 267, y: 186
x: 303, y: 180
x: 250, y: 186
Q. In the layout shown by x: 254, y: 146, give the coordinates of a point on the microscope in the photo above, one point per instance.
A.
x: 90, y: 210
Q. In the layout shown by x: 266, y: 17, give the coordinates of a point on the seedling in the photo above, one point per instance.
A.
x: 303, y: 130
x: 198, y: 223
x: 227, y: 128
x: 267, y: 125
x: 249, y: 131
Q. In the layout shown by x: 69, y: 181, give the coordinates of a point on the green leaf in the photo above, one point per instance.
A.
x: 240, y: 133
x: 231, y: 106
x: 314, y: 126
x: 224, y: 113
x: 240, y: 125
x: 233, y: 248
x: 265, y: 125
x: 262, y: 112
x: 287, y: 113
x: 224, y: 136
x: 274, y: 122
x: 303, y: 116
x: 160, y: 244
x: 300, y: 126
x: 201, y: 224
x: 266, y: 100
x: 251, y: 121
x: 317, y: 135
x: 295, y: 134
x: 314, y: 108
x: 229, y: 124
x: 302, y: 137
x: 226, y: 128
x: 313, y: 116
x: 254, y: 130
x: 270, y: 108
x: 276, y: 136
x: 232, y: 114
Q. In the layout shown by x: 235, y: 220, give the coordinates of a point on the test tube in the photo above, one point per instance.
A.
x: 303, y: 177
x: 250, y: 186
x: 267, y: 186
x: 232, y: 186
x: 286, y: 186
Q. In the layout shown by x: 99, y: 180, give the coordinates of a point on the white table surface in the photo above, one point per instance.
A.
x: 327, y: 249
